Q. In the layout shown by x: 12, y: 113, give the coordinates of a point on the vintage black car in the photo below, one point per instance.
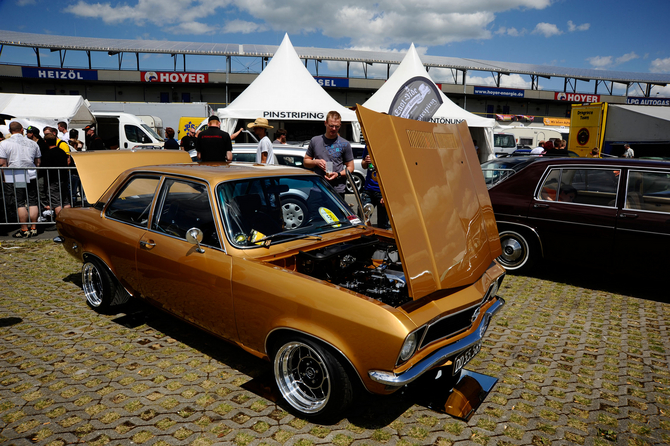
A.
x: 585, y: 211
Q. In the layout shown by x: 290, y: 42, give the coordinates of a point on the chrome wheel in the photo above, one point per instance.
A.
x: 359, y: 181
x: 516, y: 251
x: 92, y: 284
x: 302, y: 376
x: 293, y: 213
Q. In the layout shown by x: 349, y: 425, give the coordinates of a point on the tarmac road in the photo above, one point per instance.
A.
x: 580, y: 360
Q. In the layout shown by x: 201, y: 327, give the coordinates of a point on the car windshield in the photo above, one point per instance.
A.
x: 504, y: 141
x: 279, y: 209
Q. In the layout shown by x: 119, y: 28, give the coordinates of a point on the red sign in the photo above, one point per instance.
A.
x: 173, y: 77
x: 576, y: 97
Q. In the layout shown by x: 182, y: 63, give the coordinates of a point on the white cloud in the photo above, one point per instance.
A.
x: 602, y: 62
x: 383, y: 23
x: 572, y: 27
x: 547, y: 29
x: 510, y: 31
x: 511, y: 81
x: 660, y: 65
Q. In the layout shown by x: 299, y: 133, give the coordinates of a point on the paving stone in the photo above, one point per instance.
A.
x: 577, y: 364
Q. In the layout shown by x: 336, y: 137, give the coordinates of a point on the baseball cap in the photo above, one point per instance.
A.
x: 34, y: 130
x: 89, y: 127
x: 213, y: 118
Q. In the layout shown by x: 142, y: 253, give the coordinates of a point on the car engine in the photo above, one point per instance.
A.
x: 367, y: 266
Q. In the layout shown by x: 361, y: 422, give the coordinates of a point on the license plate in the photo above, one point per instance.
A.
x: 466, y: 356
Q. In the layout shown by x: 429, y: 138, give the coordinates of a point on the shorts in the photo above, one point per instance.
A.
x: 58, y: 195
x: 18, y: 195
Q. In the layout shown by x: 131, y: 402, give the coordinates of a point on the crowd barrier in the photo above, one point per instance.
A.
x: 56, y: 186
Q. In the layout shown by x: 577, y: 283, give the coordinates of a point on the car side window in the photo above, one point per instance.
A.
x: 597, y: 187
x: 290, y: 160
x: 648, y: 191
x: 133, y: 203
x: 134, y: 134
x: 244, y: 157
x: 185, y: 205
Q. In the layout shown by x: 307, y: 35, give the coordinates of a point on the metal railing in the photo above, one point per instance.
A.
x: 55, y: 187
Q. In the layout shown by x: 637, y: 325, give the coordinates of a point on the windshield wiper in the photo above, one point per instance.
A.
x: 339, y: 222
x: 267, y: 240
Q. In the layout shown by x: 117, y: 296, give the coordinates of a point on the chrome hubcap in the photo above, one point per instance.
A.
x: 512, y: 251
x: 293, y: 215
x: 92, y: 284
x: 302, y: 377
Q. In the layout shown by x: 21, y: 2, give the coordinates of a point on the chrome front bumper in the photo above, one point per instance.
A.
x: 438, y: 356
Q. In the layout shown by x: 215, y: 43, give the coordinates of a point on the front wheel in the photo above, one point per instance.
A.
x: 311, y: 379
x: 294, y: 212
x: 518, y: 252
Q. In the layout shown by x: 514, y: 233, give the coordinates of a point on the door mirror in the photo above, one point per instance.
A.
x: 194, y: 237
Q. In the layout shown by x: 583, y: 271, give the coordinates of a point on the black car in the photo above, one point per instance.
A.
x: 585, y: 211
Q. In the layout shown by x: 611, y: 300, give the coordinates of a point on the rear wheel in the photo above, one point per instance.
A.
x: 294, y: 212
x: 359, y: 182
x: 311, y: 379
x: 518, y: 252
x: 100, y: 288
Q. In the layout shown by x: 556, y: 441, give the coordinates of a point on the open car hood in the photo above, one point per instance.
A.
x: 436, y: 199
x: 98, y: 170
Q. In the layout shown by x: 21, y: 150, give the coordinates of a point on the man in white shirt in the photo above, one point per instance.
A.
x: 265, y: 153
x: 63, y: 134
x: 628, y: 152
x: 19, y: 151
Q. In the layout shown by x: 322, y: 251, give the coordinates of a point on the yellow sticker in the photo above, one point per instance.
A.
x: 328, y: 216
x: 255, y: 236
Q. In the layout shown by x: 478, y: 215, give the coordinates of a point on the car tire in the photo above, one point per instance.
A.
x: 518, y: 251
x: 359, y: 180
x: 311, y: 379
x: 101, y: 289
x: 294, y: 212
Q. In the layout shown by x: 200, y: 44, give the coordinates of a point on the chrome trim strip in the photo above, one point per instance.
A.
x: 406, y: 377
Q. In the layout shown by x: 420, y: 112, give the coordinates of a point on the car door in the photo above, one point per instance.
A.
x: 193, y: 284
x: 128, y: 215
x: 574, y: 210
x: 643, y: 224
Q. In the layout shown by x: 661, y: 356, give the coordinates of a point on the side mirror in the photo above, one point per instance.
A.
x: 194, y: 237
x: 368, y: 209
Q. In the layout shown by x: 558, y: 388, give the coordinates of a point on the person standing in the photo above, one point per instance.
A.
x: 330, y: 155
x: 214, y: 144
x: 56, y: 184
x: 19, y: 151
x: 628, y: 152
x: 34, y: 134
x: 265, y: 153
x: 170, y: 143
x: 188, y: 143
x: 63, y: 134
x: 93, y: 141
x: 371, y: 192
x: 280, y: 137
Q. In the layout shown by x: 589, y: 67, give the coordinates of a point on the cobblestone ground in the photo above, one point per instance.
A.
x: 576, y: 366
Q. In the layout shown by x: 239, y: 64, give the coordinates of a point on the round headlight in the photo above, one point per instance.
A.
x: 408, y: 347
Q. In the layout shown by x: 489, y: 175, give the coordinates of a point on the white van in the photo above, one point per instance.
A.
x: 504, y: 143
x: 125, y: 131
x: 529, y: 137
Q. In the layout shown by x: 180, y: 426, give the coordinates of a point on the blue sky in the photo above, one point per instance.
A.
x: 613, y: 34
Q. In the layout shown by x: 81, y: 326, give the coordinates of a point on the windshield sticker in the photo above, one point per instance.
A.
x: 255, y: 236
x: 328, y: 216
x: 354, y: 220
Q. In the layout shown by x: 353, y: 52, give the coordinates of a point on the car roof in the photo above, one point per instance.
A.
x: 605, y: 162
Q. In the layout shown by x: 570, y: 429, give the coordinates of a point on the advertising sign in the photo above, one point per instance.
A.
x: 173, y: 77
x: 648, y: 101
x: 494, y: 91
x: 338, y: 82
x: 576, y: 97
x: 57, y: 73
x: 558, y: 122
x: 586, y: 128
x: 418, y: 98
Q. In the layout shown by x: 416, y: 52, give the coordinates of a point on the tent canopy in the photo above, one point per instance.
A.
x: 49, y: 109
x: 410, y: 92
x: 285, y: 90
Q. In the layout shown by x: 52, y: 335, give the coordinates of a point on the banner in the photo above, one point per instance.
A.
x: 418, y: 98
x: 338, y: 82
x: 495, y: 91
x: 57, y: 73
x: 586, y: 128
x: 173, y: 77
x: 514, y: 118
x: 648, y: 101
x: 576, y: 97
x: 557, y: 122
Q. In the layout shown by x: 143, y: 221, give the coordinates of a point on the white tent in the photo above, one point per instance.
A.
x: 46, y: 109
x: 410, y: 92
x: 286, y: 91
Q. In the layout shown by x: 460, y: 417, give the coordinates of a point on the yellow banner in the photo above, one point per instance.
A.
x: 565, y: 122
x: 586, y: 128
x: 186, y: 123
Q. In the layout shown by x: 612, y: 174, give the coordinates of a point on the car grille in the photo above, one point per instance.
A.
x: 448, y: 326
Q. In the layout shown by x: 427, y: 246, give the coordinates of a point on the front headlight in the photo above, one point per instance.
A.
x: 408, y: 347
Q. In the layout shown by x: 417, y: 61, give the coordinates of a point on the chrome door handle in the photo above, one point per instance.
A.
x: 627, y: 215
x: 147, y: 244
x: 540, y: 206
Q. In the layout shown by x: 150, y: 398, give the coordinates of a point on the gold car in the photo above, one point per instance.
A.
x: 334, y: 303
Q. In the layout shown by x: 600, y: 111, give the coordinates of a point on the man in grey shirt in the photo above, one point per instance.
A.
x: 330, y: 155
x: 19, y: 151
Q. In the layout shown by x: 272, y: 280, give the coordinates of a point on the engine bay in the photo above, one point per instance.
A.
x: 368, y: 265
